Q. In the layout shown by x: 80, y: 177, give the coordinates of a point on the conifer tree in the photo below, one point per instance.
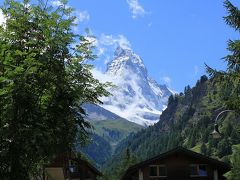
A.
x: 203, y: 149
x: 128, y: 159
x: 229, y: 80
x: 235, y: 160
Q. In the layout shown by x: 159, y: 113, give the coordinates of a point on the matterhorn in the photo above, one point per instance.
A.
x: 135, y: 96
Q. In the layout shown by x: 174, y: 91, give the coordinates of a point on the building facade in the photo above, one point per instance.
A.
x: 178, y: 164
x: 69, y: 167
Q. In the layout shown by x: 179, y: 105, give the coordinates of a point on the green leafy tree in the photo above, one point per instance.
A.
x: 229, y: 80
x: 44, y: 79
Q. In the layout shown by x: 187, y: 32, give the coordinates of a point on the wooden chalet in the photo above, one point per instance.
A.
x: 69, y: 167
x: 178, y: 164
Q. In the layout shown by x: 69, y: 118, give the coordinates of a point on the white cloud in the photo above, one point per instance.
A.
x: 101, y: 51
x: 167, y: 80
x: 82, y: 16
x: 107, y: 44
x: 107, y: 60
x: 92, y: 40
x: 98, y: 74
x: 196, y: 70
x: 56, y: 3
x: 2, y: 18
x: 135, y: 8
x: 110, y: 40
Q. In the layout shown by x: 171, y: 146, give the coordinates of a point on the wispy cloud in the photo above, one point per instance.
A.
x: 135, y: 8
x: 107, y: 60
x: 101, y: 76
x: 92, y: 40
x: 101, y: 51
x: 2, y: 18
x: 107, y: 44
x: 167, y: 80
x: 95, y: 42
x: 110, y: 40
x: 82, y: 16
x: 196, y: 69
x: 56, y: 3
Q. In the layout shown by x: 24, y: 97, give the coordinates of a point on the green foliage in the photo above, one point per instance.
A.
x: 188, y: 121
x: 117, y: 170
x: 235, y: 160
x: 228, y: 87
x: 114, y: 131
x: 43, y: 81
x: 106, y: 135
x: 203, y: 149
x: 98, y: 150
x: 229, y: 80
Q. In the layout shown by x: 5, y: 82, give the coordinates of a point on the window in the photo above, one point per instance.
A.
x: 193, y: 170
x: 162, y: 170
x: 157, y: 171
x: 153, y: 171
x: 198, y: 170
x: 73, y: 166
x: 202, y: 170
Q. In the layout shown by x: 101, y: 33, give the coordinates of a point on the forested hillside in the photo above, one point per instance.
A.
x: 190, y: 117
x: 105, y: 137
x: 188, y: 121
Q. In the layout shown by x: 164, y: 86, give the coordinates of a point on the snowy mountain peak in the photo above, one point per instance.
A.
x: 125, y: 59
x: 120, y: 51
x: 136, y: 97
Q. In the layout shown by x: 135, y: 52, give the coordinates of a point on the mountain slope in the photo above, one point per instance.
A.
x: 109, y: 130
x: 115, y: 131
x: 108, y: 125
x: 136, y: 97
x: 105, y: 137
x: 97, y: 113
x: 187, y: 121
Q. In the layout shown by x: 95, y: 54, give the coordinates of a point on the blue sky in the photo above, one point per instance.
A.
x: 174, y: 38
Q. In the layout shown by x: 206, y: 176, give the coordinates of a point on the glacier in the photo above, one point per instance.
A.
x: 135, y: 96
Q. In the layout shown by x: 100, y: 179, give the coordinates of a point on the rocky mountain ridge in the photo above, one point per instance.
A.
x: 136, y: 96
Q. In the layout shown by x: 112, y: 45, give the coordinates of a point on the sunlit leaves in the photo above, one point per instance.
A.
x: 44, y: 79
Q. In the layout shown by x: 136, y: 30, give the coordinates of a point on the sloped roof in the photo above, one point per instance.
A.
x: 62, y: 161
x: 224, y: 167
x: 94, y: 169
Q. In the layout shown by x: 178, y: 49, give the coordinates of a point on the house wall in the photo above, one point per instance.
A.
x: 177, y: 168
x: 84, y: 172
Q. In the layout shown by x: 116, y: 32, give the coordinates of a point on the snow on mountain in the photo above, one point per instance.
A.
x: 136, y: 97
x: 97, y: 113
